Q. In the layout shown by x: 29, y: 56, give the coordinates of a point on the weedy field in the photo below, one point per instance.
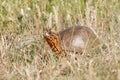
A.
x: 24, y: 55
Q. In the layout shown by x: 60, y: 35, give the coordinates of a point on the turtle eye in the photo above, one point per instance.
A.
x: 49, y: 32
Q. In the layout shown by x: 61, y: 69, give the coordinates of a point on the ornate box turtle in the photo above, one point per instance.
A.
x: 78, y: 39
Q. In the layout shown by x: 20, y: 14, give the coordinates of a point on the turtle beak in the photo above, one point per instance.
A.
x: 45, y: 34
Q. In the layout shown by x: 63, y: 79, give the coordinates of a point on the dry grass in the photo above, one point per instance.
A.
x: 25, y: 56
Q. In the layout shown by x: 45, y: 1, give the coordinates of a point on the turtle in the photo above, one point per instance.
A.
x: 72, y: 39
